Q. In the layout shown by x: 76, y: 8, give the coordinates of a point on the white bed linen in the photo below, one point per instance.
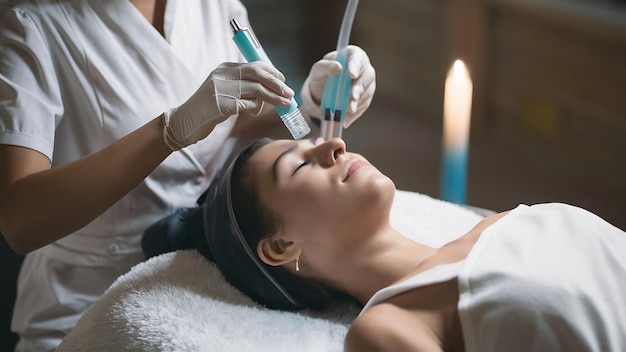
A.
x: 546, y: 277
x: 180, y: 302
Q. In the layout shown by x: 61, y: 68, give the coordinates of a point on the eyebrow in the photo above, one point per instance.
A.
x: 291, y: 149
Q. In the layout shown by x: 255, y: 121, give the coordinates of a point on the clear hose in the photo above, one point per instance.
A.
x: 336, y: 95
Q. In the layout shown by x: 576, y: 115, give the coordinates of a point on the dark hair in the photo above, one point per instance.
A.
x: 255, y: 222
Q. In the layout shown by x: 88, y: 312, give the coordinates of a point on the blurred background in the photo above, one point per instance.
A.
x: 549, y: 105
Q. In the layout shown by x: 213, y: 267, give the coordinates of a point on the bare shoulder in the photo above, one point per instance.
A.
x: 387, y: 327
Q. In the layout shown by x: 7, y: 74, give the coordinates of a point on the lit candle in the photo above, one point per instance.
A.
x: 457, y: 106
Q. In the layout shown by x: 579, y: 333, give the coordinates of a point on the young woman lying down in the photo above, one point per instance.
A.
x: 293, y: 223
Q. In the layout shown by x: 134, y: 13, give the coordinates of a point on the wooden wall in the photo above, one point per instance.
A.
x: 406, y: 42
x: 558, y: 75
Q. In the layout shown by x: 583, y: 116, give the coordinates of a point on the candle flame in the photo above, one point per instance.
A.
x: 459, y: 70
x: 457, y: 106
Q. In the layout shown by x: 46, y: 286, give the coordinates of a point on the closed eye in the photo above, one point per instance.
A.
x: 299, y: 167
x: 312, y: 141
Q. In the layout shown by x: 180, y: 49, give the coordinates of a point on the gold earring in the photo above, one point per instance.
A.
x: 298, y: 264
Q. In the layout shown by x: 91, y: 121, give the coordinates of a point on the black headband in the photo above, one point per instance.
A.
x: 220, y: 192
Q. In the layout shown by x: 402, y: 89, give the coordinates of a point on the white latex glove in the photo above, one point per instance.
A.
x: 230, y: 89
x: 361, y: 92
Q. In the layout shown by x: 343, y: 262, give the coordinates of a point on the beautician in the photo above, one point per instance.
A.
x: 113, y: 114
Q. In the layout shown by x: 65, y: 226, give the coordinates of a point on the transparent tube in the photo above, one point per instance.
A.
x: 336, y: 95
x: 346, y: 26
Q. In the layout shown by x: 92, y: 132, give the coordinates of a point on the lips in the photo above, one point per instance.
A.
x: 353, y: 167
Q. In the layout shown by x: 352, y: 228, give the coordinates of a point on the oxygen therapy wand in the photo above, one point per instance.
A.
x: 251, y: 49
x: 337, y: 88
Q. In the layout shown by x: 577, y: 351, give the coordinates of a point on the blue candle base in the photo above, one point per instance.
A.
x: 454, y: 176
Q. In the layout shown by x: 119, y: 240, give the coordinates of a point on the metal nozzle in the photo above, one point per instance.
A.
x: 234, y: 24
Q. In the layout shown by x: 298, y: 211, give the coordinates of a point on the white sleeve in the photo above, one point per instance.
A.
x: 30, y: 99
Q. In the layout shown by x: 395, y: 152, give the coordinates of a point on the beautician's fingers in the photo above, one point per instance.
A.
x: 361, y: 96
x: 240, y: 87
x: 247, y: 90
x: 258, y: 71
x: 359, y: 105
x: 320, y: 71
x: 229, y: 89
x: 362, y: 89
x: 358, y: 61
x: 313, y: 86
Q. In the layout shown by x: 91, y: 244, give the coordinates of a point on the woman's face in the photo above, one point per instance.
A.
x: 317, y: 187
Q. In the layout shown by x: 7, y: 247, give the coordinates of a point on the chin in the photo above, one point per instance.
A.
x: 381, y: 190
x: 384, y: 183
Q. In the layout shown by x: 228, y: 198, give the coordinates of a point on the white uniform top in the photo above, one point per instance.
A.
x: 548, y: 277
x: 75, y: 76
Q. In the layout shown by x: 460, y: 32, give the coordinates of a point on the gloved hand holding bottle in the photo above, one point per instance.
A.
x: 230, y: 89
x: 362, y: 90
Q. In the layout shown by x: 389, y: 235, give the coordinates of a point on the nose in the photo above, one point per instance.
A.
x: 328, y: 151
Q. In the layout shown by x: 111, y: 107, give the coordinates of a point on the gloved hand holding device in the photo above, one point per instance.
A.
x: 363, y: 83
x: 230, y: 89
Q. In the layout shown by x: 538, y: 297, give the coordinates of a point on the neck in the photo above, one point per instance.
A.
x: 377, y: 262
x: 153, y: 11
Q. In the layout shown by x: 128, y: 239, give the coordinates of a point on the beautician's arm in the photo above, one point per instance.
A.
x: 39, y: 204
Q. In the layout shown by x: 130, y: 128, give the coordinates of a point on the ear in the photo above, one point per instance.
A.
x: 275, y: 251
